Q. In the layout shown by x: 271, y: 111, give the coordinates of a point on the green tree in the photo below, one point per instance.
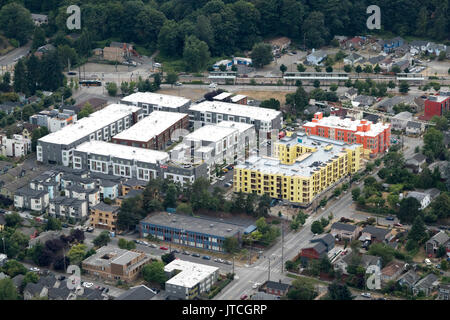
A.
x: 261, y: 54
x: 316, y: 227
x: 102, y: 239
x: 418, y: 231
x: 348, y: 68
x: 13, y: 268
x: 283, y: 69
x: 7, y: 290
x: 337, y: 291
x: 195, y: 54
x: 358, y: 69
x: 85, y: 111
x: 16, y: 22
x: 301, y: 68
x: 377, y: 69
x: 302, y: 290
x: 53, y: 224
x: 170, y: 200
x: 77, y: 253
x: 271, y: 104
x: 20, y: 80
x: 38, y: 38
x: 231, y: 244
x: 171, y: 78
x: 433, y: 143
x: 185, y: 208
x: 30, y: 277
x: 298, y: 101
x: 111, y: 87
x: 154, y: 272
x: 403, y: 87
x: 13, y: 220
x: 315, y: 31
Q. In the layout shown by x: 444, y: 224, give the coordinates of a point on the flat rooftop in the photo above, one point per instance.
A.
x: 109, y: 254
x: 306, y: 164
x: 241, y: 126
x: 222, y: 96
x: 163, y: 100
x: 123, y: 152
x: 348, y: 124
x: 149, y: 127
x: 191, y: 273
x: 238, y: 97
x: 88, y: 125
x: 211, y: 133
x: 193, y: 224
x: 256, y: 113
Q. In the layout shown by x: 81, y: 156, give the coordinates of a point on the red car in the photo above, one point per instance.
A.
x: 398, y: 225
x: 244, y: 297
x: 163, y: 248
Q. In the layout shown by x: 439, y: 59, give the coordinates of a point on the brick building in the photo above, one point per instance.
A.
x: 436, y: 106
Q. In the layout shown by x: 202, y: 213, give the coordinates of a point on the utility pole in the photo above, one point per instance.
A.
x: 233, y: 265
x: 4, y: 248
x: 282, y: 248
x: 64, y: 258
x: 268, y: 278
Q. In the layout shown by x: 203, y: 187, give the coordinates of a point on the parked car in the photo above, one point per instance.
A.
x: 196, y: 255
x: 65, y: 225
x: 164, y: 248
x: 186, y: 252
x: 212, y: 85
x: 256, y: 285
x: 87, y: 284
x: 227, y: 262
x: 398, y: 225
x: 178, y: 84
x: 206, y: 257
x: 227, y: 185
x: 34, y: 269
x: 366, y: 295
x: 90, y: 229
x: 427, y: 262
x: 153, y: 245
x: 175, y: 251
x: 390, y: 218
x: 216, y: 260
x: 244, y: 297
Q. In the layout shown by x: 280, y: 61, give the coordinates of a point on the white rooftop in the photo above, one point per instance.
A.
x: 151, y: 126
x: 90, y: 124
x: 222, y: 96
x: 256, y: 113
x: 191, y: 273
x: 163, y: 100
x: 348, y: 124
x: 241, y: 126
x: 124, y: 152
x: 238, y: 97
x: 211, y: 133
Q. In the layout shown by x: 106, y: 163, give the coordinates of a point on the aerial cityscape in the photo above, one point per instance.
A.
x: 243, y: 150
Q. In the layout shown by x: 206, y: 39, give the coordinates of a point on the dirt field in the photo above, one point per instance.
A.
x: 100, y: 67
x: 193, y: 94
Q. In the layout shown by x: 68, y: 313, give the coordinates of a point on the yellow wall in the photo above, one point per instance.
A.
x: 297, y: 189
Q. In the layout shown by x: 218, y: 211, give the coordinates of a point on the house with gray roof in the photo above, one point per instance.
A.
x: 141, y: 292
x: 316, y: 57
x: 362, y: 260
x: 414, y: 128
x: 408, y: 279
x: 444, y: 291
x: 416, y: 162
x: 34, y: 290
x: 400, y: 120
x: 353, y: 58
x: 27, y: 198
x: 364, y: 101
x: 439, y: 239
x: 326, y: 239
x: 3, y: 276
x: 18, y: 280
x: 68, y: 208
x: 426, y: 285
x: 374, y: 234
x: 423, y: 198
x: 344, y: 231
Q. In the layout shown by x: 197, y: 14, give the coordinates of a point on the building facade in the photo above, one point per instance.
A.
x: 305, y: 167
x: 150, y: 102
x: 375, y: 138
x: 104, y: 216
x: 436, y: 106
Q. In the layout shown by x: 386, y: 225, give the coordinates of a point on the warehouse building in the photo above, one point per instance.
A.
x: 304, y: 167
x: 57, y: 147
x: 209, y: 112
x: 150, y: 102
x: 189, y: 279
x: 154, y: 131
x: 190, y: 231
x: 375, y: 138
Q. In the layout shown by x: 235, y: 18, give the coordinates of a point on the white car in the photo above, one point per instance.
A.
x: 87, y: 284
x: 34, y: 269
x: 213, y: 85
x: 428, y: 262
x: 256, y: 285
x: 153, y: 245
x: 366, y: 295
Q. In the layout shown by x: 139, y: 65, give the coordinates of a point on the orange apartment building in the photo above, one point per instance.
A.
x: 104, y: 216
x: 375, y: 138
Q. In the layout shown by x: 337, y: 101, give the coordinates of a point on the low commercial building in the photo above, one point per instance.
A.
x: 304, y: 167
x: 104, y: 216
x: 239, y: 99
x: 190, y: 231
x: 154, y: 131
x: 112, y: 263
x: 224, y: 96
x: 210, y: 112
x: 58, y: 147
x: 375, y: 138
x: 150, y: 102
x: 188, y: 279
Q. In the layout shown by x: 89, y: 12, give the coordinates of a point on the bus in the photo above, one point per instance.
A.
x: 90, y: 83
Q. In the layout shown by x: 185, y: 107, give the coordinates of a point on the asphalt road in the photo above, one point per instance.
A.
x: 10, y: 58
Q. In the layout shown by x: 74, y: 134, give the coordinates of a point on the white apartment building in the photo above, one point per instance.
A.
x: 17, y: 146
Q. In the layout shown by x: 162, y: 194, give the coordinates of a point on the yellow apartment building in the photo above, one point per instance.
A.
x: 301, y: 169
x: 104, y: 216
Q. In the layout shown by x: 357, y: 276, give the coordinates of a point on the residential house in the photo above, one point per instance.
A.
x: 363, y: 101
x: 374, y: 234
x: 227, y: 63
x: 386, y: 64
x: 108, y: 189
x: 34, y: 290
x: 400, y: 120
x: 27, y: 198
x: 423, y: 198
x: 44, y: 237
x: 434, y: 48
x: 391, y: 44
x: 68, y: 208
x: 442, y: 166
x: 418, y: 46
x: 373, y: 61
x: 17, y: 146
x: 44, y: 50
x: 414, y: 128
x: 319, y: 247
x: 131, y: 194
x: 18, y: 281
x: 439, y: 239
x: 444, y: 291
x: 132, y: 184
x: 344, y: 231
x: 140, y: 292
x: 408, y: 279
x: 8, y: 107
x: 392, y: 271
x: 433, y: 192
x: 39, y: 19
x: 353, y: 58
x: 402, y: 64
x: 371, y: 117
x: 416, y: 162
x: 363, y: 260
x: 276, y: 288
x: 326, y: 239
x: 316, y: 57
x: 426, y: 285
x: 351, y: 93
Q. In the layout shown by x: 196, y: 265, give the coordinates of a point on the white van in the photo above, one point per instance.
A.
x: 213, y: 85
